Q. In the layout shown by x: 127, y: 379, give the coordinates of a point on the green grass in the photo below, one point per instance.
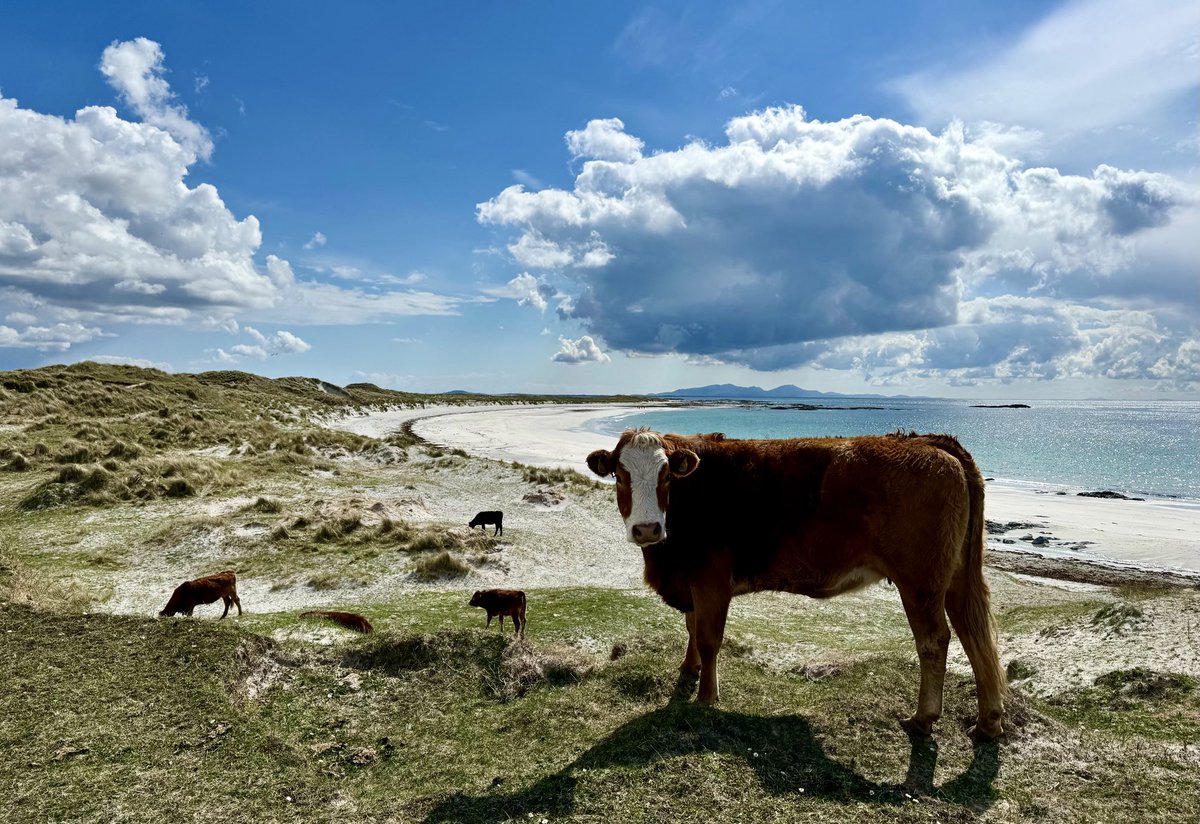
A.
x: 1142, y: 703
x: 435, y: 719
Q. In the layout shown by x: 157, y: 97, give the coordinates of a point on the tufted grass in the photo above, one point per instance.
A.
x: 434, y: 719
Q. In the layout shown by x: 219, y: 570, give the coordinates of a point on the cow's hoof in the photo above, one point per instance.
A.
x: 981, y: 734
x: 917, y: 728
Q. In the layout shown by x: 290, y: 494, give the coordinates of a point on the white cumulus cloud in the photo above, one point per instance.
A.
x: 135, y: 69
x: 583, y: 350
x: 98, y: 226
x: 604, y: 140
x: 525, y: 289
x: 264, y: 346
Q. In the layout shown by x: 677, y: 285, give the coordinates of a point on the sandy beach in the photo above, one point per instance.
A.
x: 1026, y: 518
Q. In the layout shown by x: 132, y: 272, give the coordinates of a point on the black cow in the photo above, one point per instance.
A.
x: 483, y: 519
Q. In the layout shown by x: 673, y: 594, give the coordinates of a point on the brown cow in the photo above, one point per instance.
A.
x: 718, y: 517
x: 502, y: 602
x: 190, y: 594
x: 349, y: 620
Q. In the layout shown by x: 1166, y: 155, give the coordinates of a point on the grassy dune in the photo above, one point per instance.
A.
x: 111, y: 716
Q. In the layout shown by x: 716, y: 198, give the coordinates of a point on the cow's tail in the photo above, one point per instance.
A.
x: 968, y: 602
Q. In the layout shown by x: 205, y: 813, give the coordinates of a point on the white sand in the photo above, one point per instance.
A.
x: 1152, y: 533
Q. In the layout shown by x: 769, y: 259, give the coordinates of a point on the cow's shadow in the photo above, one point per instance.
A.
x: 781, y: 749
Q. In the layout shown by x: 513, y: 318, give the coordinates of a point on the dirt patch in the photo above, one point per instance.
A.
x: 261, y: 670
x: 544, y: 497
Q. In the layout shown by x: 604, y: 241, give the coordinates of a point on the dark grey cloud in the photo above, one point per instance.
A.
x: 796, y: 234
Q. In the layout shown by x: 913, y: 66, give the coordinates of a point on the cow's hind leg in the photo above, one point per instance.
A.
x: 227, y: 601
x: 238, y: 602
x: 972, y: 622
x: 927, y: 616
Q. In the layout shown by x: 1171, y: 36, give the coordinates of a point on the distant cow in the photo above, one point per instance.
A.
x: 483, y: 519
x: 502, y: 602
x: 349, y: 620
x: 190, y: 594
x: 718, y: 517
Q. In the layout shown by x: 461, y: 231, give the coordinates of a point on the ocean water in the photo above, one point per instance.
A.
x: 1144, y: 449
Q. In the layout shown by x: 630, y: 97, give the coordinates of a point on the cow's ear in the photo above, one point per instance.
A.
x: 601, y: 462
x: 683, y: 462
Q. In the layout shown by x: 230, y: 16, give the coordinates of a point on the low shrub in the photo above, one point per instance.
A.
x: 440, y: 566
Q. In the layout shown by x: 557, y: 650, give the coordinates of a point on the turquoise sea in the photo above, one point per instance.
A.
x: 1145, y: 449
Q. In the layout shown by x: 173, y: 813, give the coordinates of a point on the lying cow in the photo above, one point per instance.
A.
x: 190, y: 594
x: 502, y: 602
x: 484, y: 519
x: 349, y: 620
x: 717, y: 517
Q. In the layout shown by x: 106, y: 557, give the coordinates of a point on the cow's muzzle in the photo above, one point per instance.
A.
x: 646, y: 534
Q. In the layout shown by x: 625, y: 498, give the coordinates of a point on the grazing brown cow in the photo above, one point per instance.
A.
x: 718, y: 517
x: 502, y: 602
x: 350, y: 620
x: 190, y: 594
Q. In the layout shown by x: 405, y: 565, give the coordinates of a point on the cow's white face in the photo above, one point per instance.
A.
x: 643, y: 470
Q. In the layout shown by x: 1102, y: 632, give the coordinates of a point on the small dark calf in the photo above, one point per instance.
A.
x: 349, y: 620
x: 484, y: 518
x: 190, y: 594
x: 502, y: 602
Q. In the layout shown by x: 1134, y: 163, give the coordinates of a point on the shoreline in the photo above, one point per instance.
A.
x: 1033, y: 529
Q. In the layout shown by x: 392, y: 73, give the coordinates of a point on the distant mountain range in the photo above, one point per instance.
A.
x: 729, y: 391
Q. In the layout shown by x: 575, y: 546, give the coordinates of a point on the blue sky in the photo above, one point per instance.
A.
x: 967, y: 199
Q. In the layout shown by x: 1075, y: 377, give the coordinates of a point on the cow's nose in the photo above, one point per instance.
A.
x: 647, y: 533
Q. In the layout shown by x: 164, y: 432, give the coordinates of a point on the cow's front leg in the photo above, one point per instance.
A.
x: 691, y: 659
x: 711, y: 608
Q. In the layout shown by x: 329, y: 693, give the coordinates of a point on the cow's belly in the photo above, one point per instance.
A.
x: 817, y: 583
x: 847, y: 581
